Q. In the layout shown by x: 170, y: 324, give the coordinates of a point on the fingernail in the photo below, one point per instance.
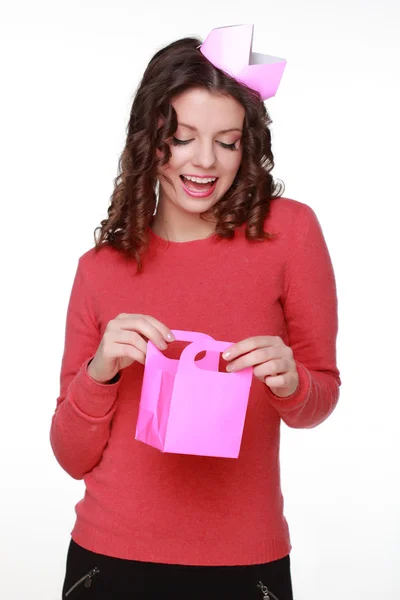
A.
x: 170, y: 337
x: 226, y: 355
x: 163, y: 345
x: 230, y: 368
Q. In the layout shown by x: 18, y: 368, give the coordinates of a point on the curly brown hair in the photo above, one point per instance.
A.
x: 172, y: 70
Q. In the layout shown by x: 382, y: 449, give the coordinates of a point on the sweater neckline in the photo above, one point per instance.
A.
x: 160, y: 241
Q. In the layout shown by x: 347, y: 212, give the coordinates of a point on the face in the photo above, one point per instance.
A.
x: 206, y: 151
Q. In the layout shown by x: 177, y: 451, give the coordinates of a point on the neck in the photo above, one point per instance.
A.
x: 179, y: 226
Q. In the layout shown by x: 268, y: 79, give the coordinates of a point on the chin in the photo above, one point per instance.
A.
x: 197, y: 206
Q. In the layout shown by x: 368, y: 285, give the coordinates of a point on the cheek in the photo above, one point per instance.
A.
x: 179, y: 157
x: 231, y: 163
x: 174, y: 160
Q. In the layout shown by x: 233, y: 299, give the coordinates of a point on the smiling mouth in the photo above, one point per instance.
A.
x: 198, y: 184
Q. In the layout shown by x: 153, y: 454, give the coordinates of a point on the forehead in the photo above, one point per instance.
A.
x: 208, y: 111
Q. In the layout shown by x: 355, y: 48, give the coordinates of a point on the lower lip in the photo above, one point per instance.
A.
x: 204, y: 194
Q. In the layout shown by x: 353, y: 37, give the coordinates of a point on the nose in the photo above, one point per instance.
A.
x: 204, y: 155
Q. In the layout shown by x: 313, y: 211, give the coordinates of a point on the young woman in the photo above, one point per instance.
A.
x: 198, y: 237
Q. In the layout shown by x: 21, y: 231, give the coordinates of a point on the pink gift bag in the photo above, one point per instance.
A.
x: 187, y: 406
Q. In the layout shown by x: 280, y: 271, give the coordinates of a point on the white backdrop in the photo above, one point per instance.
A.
x: 68, y: 73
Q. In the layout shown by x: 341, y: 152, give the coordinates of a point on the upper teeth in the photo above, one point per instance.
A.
x: 201, y: 179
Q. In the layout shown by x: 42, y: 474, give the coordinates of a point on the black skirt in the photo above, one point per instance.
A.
x: 92, y: 576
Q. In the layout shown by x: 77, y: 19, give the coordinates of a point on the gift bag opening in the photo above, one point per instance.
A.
x: 175, y: 349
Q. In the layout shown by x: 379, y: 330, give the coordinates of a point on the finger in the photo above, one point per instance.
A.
x: 257, y: 357
x: 277, y: 381
x: 271, y: 368
x: 250, y: 344
x: 165, y: 332
x: 132, y: 338
x: 163, y: 329
x: 118, y: 344
x: 142, y: 325
x: 131, y: 352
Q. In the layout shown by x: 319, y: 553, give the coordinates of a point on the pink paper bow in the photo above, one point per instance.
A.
x: 230, y: 49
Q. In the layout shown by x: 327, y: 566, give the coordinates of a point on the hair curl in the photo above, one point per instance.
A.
x: 172, y: 70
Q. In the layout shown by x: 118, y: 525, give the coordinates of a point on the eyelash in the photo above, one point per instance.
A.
x: 177, y: 142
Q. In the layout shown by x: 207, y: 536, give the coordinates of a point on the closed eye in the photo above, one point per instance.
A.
x: 178, y: 142
x: 229, y: 146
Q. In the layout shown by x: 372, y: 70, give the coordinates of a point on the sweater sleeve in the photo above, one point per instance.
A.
x: 80, y: 426
x: 310, y: 310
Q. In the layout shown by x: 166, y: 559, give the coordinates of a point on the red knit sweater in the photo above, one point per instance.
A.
x: 145, y: 505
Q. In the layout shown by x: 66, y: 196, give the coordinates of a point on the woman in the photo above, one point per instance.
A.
x: 216, y: 249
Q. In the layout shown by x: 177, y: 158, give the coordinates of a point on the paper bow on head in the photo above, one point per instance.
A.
x: 230, y: 49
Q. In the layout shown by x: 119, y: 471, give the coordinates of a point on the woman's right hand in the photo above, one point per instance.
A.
x: 124, y: 342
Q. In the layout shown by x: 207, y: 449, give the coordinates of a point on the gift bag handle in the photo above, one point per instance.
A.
x: 190, y: 336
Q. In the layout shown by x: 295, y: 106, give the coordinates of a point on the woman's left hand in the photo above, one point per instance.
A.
x: 272, y: 360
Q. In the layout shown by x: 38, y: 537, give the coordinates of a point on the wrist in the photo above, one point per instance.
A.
x: 92, y: 375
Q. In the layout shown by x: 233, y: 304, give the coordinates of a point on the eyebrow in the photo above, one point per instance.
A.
x: 218, y: 132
